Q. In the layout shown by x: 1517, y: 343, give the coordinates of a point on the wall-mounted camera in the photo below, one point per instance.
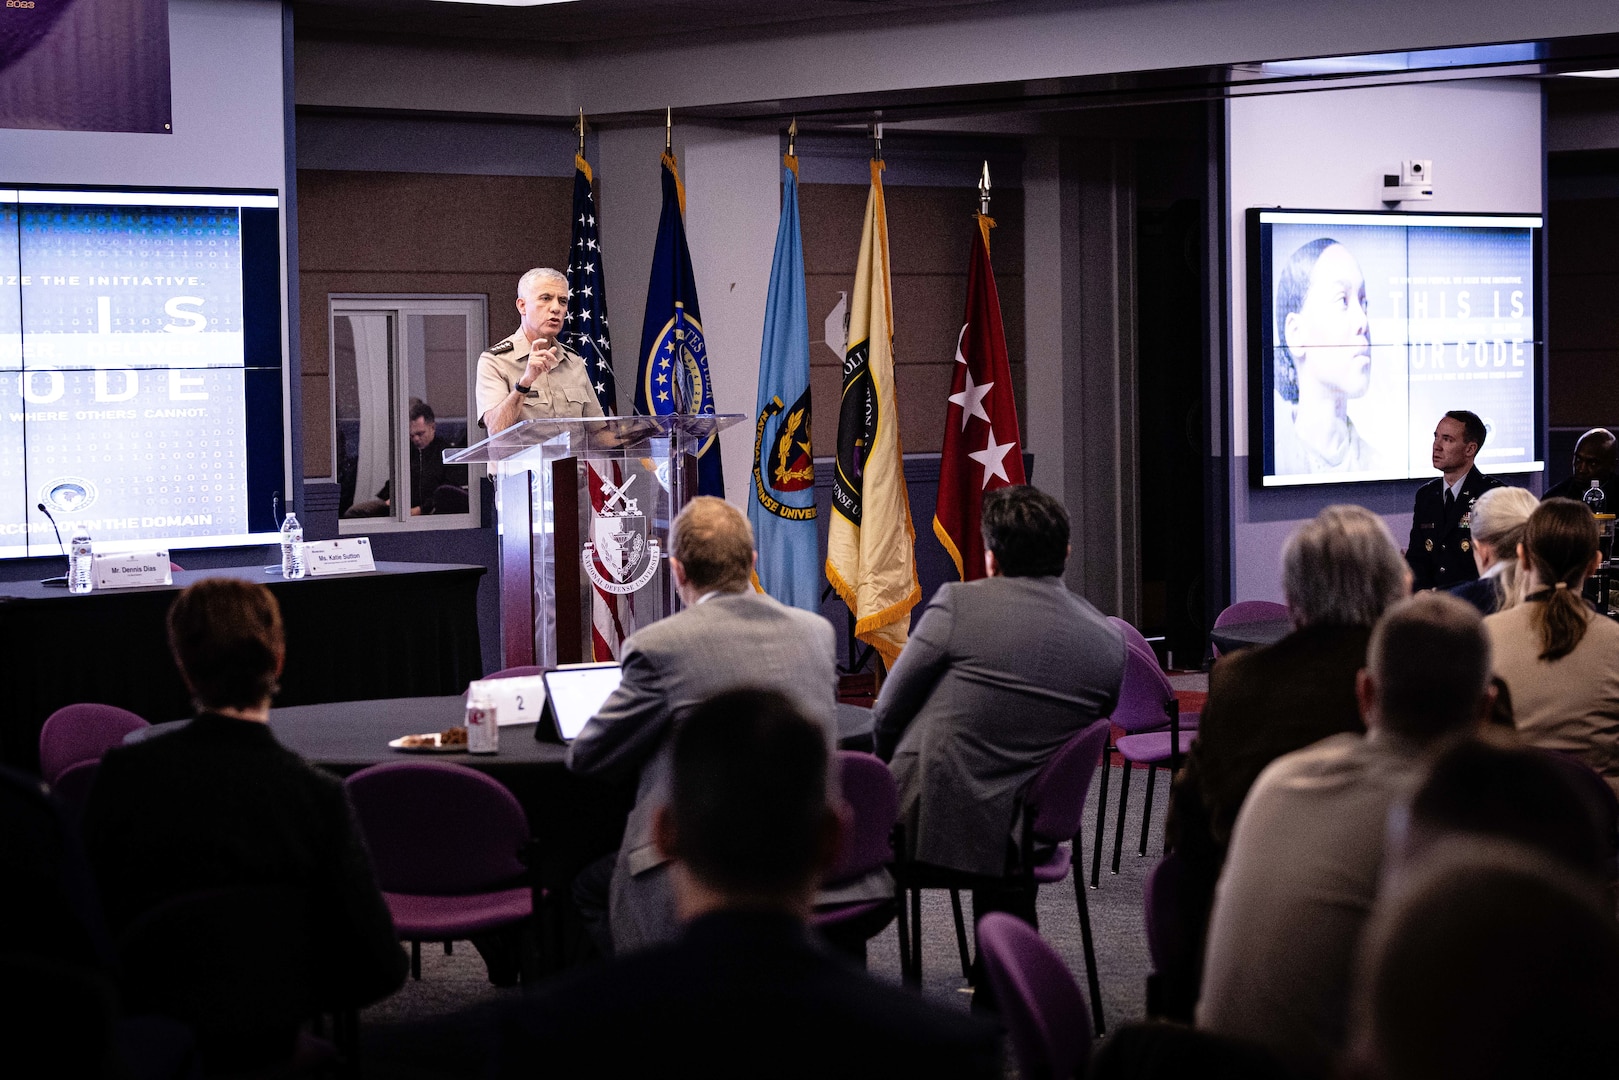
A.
x: 1413, y: 181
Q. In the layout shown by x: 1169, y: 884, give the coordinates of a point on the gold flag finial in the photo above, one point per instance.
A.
x: 668, y: 128
x: 983, y: 191
x: 581, y: 130
x: 877, y: 140
x: 792, y: 138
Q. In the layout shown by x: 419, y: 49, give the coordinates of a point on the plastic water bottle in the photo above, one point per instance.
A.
x: 1594, y: 497
x: 292, y: 548
x: 79, y: 578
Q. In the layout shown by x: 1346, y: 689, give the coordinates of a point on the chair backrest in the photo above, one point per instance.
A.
x: 1133, y: 637
x: 439, y: 829
x: 873, y: 797
x: 1171, y: 934
x: 235, y: 965
x: 518, y: 672
x: 1046, y: 1016
x: 72, y: 785
x: 1055, y: 800
x: 1144, y: 696
x: 82, y: 732
x: 1247, y: 611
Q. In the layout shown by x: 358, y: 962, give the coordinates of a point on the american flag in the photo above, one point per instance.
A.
x: 585, y: 325
x: 586, y: 334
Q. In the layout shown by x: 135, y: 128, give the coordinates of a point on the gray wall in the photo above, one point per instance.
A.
x: 1328, y: 150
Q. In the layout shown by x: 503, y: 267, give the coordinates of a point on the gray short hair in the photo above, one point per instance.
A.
x: 538, y: 274
x: 1342, y: 569
x: 1499, y: 516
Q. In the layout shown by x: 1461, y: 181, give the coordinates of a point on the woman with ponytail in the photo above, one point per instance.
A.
x: 1559, y: 658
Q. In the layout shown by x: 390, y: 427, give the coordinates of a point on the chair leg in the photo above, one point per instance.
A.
x: 1146, y: 813
x: 902, y: 929
x: 1101, y: 817
x: 1092, y: 979
x: 916, y: 935
x: 416, y: 960
x: 449, y: 948
x: 961, y: 936
x: 1124, y: 795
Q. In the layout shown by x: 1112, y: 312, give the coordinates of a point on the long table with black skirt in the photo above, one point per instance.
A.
x: 405, y: 629
x: 574, y: 819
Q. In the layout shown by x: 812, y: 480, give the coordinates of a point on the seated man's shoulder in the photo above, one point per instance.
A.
x: 811, y: 1017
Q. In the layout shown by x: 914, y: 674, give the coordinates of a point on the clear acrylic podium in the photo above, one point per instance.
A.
x: 583, y: 509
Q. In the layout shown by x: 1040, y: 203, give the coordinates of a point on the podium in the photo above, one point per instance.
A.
x: 583, y: 510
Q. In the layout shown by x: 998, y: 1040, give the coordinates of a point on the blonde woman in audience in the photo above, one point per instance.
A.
x: 1499, y: 517
x: 1559, y: 658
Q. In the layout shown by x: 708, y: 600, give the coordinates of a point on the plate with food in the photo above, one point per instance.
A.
x: 448, y: 741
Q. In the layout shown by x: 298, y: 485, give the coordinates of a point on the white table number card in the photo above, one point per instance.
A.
x: 516, y: 701
x: 323, y: 558
x: 129, y: 571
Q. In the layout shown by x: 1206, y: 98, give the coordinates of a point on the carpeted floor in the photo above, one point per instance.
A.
x: 418, y: 1033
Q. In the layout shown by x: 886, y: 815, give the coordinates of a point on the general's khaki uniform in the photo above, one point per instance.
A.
x: 564, y: 391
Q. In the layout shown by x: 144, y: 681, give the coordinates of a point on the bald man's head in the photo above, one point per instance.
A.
x: 1593, y: 455
x: 714, y: 544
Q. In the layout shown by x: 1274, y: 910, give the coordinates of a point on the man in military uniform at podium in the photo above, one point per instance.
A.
x: 1441, y: 548
x: 531, y: 375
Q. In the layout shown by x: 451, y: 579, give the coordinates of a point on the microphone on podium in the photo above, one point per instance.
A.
x: 54, y: 582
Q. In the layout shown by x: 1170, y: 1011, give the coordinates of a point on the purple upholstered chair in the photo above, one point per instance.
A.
x: 1247, y: 611
x: 1150, y: 715
x: 1132, y: 636
x: 448, y: 844
x: 1172, y: 939
x: 873, y: 800
x: 82, y: 732
x: 1053, y: 806
x: 518, y: 672
x: 1041, y: 1005
x: 72, y: 784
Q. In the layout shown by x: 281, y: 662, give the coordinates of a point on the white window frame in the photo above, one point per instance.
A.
x: 400, y: 306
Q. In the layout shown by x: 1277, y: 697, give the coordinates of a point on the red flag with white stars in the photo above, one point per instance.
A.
x: 982, y: 450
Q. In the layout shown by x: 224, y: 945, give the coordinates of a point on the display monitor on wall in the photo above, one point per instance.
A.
x: 1366, y: 328
x: 141, y: 377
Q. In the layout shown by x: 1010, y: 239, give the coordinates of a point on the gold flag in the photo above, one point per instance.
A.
x: 871, y: 546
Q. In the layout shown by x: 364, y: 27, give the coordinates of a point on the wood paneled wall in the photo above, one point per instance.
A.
x: 380, y: 232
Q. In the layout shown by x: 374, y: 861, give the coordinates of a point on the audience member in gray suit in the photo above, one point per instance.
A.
x: 727, y: 637
x: 998, y: 674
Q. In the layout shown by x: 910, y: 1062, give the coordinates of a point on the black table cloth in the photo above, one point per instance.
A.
x: 406, y: 629
x: 1247, y: 635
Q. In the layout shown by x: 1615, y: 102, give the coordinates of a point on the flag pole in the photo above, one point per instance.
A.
x: 668, y: 129
x: 983, y: 192
x: 792, y: 138
x: 877, y: 140
x: 581, y: 132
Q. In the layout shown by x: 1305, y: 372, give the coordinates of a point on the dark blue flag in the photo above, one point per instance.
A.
x: 673, y: 372
x: 586, y: 321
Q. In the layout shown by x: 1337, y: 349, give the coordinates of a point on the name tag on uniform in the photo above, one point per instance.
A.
x: 128, y: 571
x: 323, y: 558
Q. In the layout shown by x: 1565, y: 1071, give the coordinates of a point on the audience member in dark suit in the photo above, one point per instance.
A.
x: 1593, y: 460
x: 220, y: 803
x: 1339, y: 572
x: 1499, y: 517
x: 997, y: 675
x: 747, y: 989
x: 1307, y: 851
x: 1441, y: 547
x: 1489, y: 961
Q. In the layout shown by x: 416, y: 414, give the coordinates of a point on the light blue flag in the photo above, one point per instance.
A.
x: 782, y: 509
